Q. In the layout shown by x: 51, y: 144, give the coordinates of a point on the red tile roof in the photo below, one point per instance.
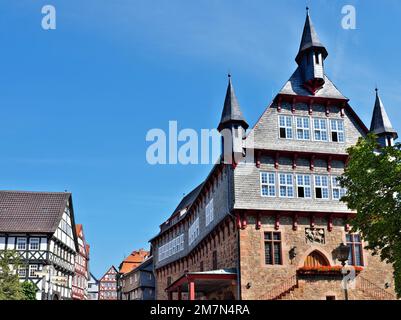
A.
x: 133, y: 260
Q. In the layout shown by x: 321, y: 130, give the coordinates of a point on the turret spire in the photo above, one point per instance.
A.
x: 231, y: 114
x: 381, y: 124
x: 310, y: 57
x: 310, y: 39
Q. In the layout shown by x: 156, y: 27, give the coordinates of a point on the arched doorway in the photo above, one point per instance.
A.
x: 55, y: 297
x: 316, y: 259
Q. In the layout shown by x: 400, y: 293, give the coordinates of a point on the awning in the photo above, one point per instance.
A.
x: 204, y: 282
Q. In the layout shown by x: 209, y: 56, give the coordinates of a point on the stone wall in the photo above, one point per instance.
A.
x: 223, y: 240
x: 258, y: 279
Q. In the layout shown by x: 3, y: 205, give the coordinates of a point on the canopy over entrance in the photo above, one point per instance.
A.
x: 202, y: 282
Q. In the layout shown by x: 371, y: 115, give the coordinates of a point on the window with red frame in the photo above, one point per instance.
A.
x: 355, y: 257
x: 273, y: 248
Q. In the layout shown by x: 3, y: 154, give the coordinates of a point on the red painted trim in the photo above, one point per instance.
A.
x: 258, y: 222
x: 311, y: 106
x: 330, y: 223
x: 303, y: 154
x: 239, y: 223
x: 329, y: 160
x: 312, y: 220
x: 328, y: 108
x: 294, y: 101
x: 279, y: 104
x: 244, y: 221
x: 294, y: 161
x: 277, y: 222
x: 276, y: 160
x: 312, y: 162
x: 295, y: 222
x: 258, y: 159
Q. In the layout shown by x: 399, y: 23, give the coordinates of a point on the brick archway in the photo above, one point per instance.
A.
x: 316, y: 259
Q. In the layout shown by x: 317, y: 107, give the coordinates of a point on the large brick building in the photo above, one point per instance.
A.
x: 270, y: 224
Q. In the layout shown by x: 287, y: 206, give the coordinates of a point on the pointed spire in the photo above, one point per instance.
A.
x: 310, y: 39
x: 381, y: 124
x: 231, y: 111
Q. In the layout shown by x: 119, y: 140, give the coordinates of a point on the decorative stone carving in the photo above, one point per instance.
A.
x: 314, y: 235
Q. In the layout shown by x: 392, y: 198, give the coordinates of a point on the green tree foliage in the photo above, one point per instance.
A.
x: 29, y: 290
x: 10, y: 286
x: 373, y: 181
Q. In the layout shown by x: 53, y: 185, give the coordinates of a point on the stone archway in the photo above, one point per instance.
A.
x: 316, y: 259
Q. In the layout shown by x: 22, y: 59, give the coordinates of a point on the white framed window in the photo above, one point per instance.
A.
x: 304, y: 186
x: 268, y: 184
x: 209, y: 212
x: 303, y: 128
x: 193, y: 231
x: 286, y: 183
x: 182, y: 242
x: 321, y: 187
x: 337, y: 130
x: 172, y: 247
x: 22, y: 271
x: 285, y: 127
x: 337, y: 191
x: 34, y: 244
x: 21, y: 243
x: 32, y: 270
x: 320, y: 129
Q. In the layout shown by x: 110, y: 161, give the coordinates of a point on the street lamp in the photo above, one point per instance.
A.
x: 342, y: 256
x: 343, y: 253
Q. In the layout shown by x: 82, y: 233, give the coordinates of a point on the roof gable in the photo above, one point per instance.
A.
x: 23, y: 211
x: 294, y: 86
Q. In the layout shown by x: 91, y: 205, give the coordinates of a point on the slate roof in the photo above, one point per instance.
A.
x: 380, y: 120
x: 185, y: 203
x: 231, y: 110
x: 188, y: 199
x: 310, y: 39
x: 294, y: 86
x: 23, y: 211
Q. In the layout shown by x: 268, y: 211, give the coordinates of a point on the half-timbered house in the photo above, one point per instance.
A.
x: 108, y: 285
x: 81, y: 276
x: 40, y: 227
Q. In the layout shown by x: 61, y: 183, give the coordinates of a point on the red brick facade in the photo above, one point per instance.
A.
x: 223, y: 241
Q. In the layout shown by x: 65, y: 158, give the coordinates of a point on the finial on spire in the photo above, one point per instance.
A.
x: 307, y: 10
x: 376, y: 89
x: 229, y: 75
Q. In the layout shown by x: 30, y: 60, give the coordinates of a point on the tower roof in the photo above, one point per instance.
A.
x: 231, y: 110
x: 380, y: 121
x: 310, y: 39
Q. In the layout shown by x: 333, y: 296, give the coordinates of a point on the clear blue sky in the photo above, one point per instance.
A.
x: 76, y: 102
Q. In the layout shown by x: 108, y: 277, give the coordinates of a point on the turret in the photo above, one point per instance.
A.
x: 381, y: 125
x: 232, y: 127
x: 310, y: 57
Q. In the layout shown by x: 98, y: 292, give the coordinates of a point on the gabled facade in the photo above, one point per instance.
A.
x: 81, y: 277
x: 139, y: 283
x: 133, y: 260
x: 108, y: 285
x: 40, y: 227
x: 269, y: 224
x: 93, y: 287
